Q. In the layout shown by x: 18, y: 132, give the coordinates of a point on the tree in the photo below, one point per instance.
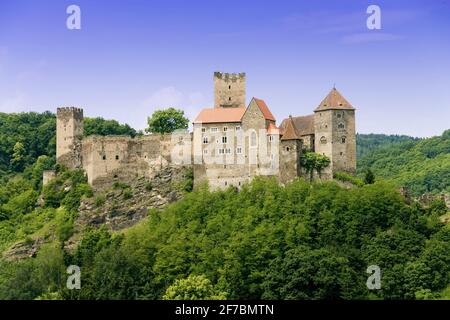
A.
x: 314, y: 161
x: 17, y: 159
x: 369, y: 178
x: 167, y: 121
x: 193, y: 288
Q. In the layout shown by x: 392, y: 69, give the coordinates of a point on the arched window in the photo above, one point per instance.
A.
x: 341, y: 126
x: 343, y: 140
x: 253, y: 139
x: 323, y: 140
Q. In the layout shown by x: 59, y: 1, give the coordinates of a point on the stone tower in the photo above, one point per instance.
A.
x: 334, y: 128
x: 69, y: 133
x: 229, y: 90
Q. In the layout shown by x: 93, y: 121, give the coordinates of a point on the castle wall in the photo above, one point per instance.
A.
x: 123, y: 158
x: 290, y: 152
x: 323, y: 129
x: 69, y: 133
x: 229, y: 90
x: 344, y: 141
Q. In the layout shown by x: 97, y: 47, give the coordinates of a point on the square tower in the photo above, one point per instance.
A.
x: 69, y: 134
x: 335, y: 136
x: 229, y: 90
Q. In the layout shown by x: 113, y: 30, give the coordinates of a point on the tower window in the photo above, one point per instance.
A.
x: 104, y: 157
x: 343, y: 140
x: 229, y: 99
x: 341, y: 153
x: 288, y: 149
x: 341, y: 126
x: 323, y: 140
x: 339, y: 115
x: 117, y: 157
x: 229, y: 87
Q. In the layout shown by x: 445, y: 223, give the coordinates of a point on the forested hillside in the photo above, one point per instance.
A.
x: 368, y: 143
x: 299, y: 241
x: 420, y: 165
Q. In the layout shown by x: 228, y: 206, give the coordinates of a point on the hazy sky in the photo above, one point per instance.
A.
x: 132, y: 57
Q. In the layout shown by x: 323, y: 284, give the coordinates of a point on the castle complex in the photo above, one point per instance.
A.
x: 230, y: 144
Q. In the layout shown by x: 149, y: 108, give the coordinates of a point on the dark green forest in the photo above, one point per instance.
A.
x: 299, y: 241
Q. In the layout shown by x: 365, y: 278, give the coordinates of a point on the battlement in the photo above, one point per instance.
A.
x: 70, y: 112
x: 229, y: 76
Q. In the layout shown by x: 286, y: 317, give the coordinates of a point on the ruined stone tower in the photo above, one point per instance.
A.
x: 334, y: 128
x: 69, y: 134
x: 229, y: 90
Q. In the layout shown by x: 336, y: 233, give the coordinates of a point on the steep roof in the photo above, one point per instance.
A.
x: 272, y: 129
x: 220, y: 115
x: 304, y: 124
x: 290, y: 132
x: 264, y: 109
x: 334, y: 101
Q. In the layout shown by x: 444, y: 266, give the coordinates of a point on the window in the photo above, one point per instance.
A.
x: 239, y: 150
x: 104, y: 157
x: 229, y: 99
x: 205, y: 151
x: 117, y: 157
x: 214, y: 129
x: 288, y: 149
x: 226, y: 183
x: 229, y: 87
x: 225, y: 129
x: 253, y: 141
x: 343, y: 140
x: 221, y: 151
x: 323, y: 140
x: 203, y: 129
x: 227, y: 150
x: 224, y: 139
x: 238, y: 128
x: 339, y: 115
x: 341, y: 126
x: 271, y: 138
x: 341, y: 153
x: 205, y: 140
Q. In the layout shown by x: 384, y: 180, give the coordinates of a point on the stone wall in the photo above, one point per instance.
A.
x: 229, y: 90
x: 69, y: 133
x: 122, y: 158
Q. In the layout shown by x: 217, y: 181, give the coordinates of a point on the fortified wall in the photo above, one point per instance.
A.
x: 106, y: 159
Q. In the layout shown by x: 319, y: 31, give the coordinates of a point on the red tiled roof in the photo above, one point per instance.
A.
x: 272, y: 129
x: 334, y: 100
x: 264, y: 109
x: 290, y: 132
x: 220, y: 115
x: 304, y: 124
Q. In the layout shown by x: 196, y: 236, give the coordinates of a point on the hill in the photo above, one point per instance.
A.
x: 421, y: 165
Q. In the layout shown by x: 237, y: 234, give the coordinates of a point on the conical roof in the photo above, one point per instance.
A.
x: 290, y: 132
x: 334, y: 101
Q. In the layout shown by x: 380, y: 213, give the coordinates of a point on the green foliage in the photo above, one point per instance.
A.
x: 421, y: 165
x: 193, y: 288
x: 368, y: 143
x: 102, y: 127
x: 167, y: 121
x: 23, y: 138
x: 369, y: 178
x: 127, y: 194
x: 346, y: 177
x: 312, y: 161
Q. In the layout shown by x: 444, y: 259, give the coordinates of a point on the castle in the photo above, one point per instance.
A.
x: 230, y: 144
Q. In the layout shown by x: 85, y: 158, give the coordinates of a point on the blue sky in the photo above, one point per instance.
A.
x: 132, y: 57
